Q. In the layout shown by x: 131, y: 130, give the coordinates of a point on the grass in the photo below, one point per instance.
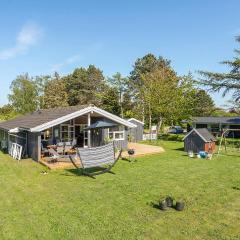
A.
x: 63, y: 205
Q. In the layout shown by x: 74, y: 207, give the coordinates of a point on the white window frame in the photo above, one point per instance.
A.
x: 114, y: 135
x: 69, y: 126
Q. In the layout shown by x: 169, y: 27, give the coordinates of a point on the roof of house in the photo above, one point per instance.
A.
x: 203, y: 133
x: 136, y: 120
x: 223, y: 120
x: 43, y: 119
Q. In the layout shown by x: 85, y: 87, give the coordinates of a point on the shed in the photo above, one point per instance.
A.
x: 136, y: 134
x: 199, y: 140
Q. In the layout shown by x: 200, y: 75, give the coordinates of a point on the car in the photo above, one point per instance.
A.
x: 175, y: 130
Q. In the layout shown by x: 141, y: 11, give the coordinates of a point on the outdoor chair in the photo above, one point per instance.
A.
x: 60, y: 150
x: 44, y: 150
x: 74, y: 142
x: 54, y: 155
x: 101, y: 158
x: 68, y: 147
x: 60, y: 144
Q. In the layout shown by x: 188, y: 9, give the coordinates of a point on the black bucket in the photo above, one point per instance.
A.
x: 180, y: 206
x: 169, y: 201
x: 163, y: 205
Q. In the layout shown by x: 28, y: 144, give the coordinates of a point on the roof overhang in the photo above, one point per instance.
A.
x: 14, y: 130
x: 196, y: 131
x: 90, y: 109
x: 134, y: 119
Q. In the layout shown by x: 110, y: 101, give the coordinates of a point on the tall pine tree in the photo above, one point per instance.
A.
x: 225, y: 81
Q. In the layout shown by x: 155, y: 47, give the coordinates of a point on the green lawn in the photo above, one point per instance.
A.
x: 62, y: 205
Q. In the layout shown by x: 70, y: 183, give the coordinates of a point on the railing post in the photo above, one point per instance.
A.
x: 89, y: 131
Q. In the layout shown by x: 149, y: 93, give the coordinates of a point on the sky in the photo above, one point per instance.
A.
x: 40, y: 37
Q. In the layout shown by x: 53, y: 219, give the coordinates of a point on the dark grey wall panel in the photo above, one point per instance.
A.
x: 136, y: 134
x: 34, y: 146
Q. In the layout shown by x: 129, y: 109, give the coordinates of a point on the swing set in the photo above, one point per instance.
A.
x: 230, y: 144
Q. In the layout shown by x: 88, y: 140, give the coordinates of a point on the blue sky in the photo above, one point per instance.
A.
x: 40, y: 37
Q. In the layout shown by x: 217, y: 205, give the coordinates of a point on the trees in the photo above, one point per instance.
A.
x: 109, y: 99
x: 55, y: 94
x: 203, y: 104
x: 167, y: 97
x: 225, y: 81
x: 84, y: 86
x: 159, y: 92
x: 121, y: 84
x: 41, y: 82
x: 7, y: 112
x: 24, y: 95
x: 153, y: 89
x: 143, y: 66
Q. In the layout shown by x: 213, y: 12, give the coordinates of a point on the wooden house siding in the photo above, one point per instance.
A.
x: 34, y: 146
x: 194, y: 143
x: 136, y: 134
x: 199, y: 140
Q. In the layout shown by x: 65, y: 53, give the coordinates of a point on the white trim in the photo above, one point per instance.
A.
x: 196, y: 131
x: 114, y: 133
x: 134, y: 119
x: 81, y: 112
x: 13, y: 135
x: 114, y: 117
x: 69, y: 126
x: 14, y: 130
x: 60, y: 120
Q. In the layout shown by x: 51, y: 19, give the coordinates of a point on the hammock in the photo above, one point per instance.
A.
x: 102, y: 158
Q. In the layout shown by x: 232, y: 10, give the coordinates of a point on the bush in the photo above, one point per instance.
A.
x: 171, y: 137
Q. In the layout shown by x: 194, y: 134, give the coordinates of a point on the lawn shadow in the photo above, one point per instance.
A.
x: 90, y: 172
x: 179, y: 149
x: 125, y: 159
x: 236, y: 188
x: 228, y: 155
x: 153, y: 205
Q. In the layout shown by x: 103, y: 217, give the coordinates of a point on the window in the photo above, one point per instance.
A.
x: 215, y: 128
x: 116, y: 133
x: 47, y: 134
x: 67, y: 132
x: 56, y: 133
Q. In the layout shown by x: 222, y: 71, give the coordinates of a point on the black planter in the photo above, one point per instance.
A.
x: 169, y: 201
x: 163, y: 205
x: 180, y: 206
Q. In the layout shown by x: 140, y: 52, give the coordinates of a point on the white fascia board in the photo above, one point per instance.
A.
x: 80, y: 113
x: 134, y: 119
x: 61, y: 120
x: 14, y: 130
x: 188, y: 134
x: 113, y: 117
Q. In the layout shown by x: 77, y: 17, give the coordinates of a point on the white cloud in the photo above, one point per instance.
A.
x: 68, y: 61
x: 27, y: 37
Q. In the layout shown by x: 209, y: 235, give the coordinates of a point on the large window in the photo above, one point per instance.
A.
x: 215, y: 128
x: 116, y: 133
x: 67, y: 132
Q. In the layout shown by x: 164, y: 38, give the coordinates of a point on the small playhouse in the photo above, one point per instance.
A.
x: 199, y: 140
